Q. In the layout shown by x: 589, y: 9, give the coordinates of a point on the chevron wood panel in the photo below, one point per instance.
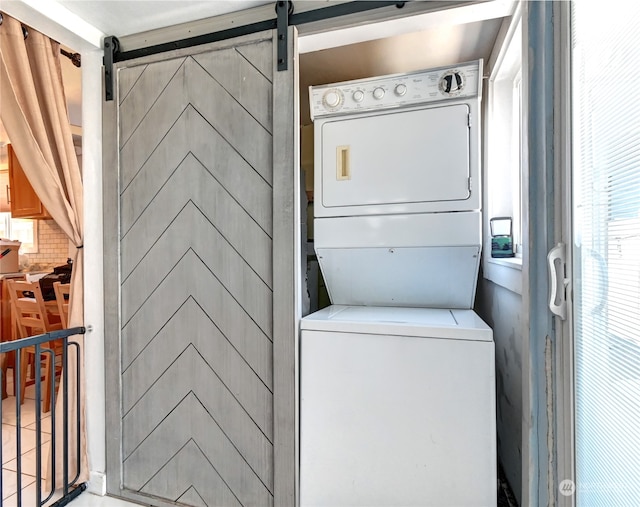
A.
x: 231, y: 270
x: 192, y: 497
x: 242, y: 81
x: 127, y: 79
x: 134, y: 106
x: 171, y: 483
x: 191, y: 182
x: 217, y: 351
x: 190, y: 373
x: 205, y: 144
x: 196, y: 277
x: 191, y: 278
x: 220, y: 109
x: 190, y: 421
x: 258, y: 54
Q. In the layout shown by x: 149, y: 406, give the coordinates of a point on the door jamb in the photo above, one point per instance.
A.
x: 564, y: 365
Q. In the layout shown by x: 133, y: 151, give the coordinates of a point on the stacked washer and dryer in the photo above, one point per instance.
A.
x: 397, y: 404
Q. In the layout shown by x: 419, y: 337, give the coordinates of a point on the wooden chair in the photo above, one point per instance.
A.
x: 7, y: 333
x: 63, y: 291
x: 31, y: 319
x: 4, y: 367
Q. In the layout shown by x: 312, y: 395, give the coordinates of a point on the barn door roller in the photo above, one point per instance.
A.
x: 283, y: 11
x: 284, y: 18
x: 111, y: 47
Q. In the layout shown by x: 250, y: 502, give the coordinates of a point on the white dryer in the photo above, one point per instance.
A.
x: 397, y: 188
x: 397, y: 392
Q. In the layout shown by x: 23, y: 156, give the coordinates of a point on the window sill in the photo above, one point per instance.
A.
x: 511, y: 262
x: 506, y: 273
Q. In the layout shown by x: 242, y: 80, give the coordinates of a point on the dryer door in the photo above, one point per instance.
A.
x: 418, y: 160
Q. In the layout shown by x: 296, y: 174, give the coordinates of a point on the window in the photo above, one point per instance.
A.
x: 18, y: 229
x: 606, y: 251
x: 504, y: 160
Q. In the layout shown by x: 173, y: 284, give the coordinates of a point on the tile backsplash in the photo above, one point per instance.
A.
x: 53, y: 248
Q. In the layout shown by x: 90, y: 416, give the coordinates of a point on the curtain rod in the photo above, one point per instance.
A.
x: 74, y: 57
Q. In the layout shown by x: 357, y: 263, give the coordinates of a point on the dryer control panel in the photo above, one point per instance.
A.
x: 398, y: 90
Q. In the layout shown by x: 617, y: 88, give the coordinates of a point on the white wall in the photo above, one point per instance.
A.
x: 59, y: 24
x: 502, y: 310
x: 93, y: 274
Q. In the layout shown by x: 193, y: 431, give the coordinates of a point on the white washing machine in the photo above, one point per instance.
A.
x: 397, y: 393
x: 397, y: 408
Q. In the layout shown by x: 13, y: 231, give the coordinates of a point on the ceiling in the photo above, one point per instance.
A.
x: 120, y: 18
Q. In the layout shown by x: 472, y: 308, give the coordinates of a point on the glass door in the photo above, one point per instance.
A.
x: 605, y: 93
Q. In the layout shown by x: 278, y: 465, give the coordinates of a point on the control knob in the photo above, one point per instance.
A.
x: 358, y: 96
x: 332, y: 98
x: 400, y: 89
x: 452, y: 83
x: 378, y: 93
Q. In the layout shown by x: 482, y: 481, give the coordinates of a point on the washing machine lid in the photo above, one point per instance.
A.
x: 394, y: 321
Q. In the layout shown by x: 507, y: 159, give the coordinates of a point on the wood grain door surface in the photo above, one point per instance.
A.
x: 202, y: 270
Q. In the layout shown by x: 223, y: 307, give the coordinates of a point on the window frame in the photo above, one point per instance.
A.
x: 506, y: 272
x: 8, y: 223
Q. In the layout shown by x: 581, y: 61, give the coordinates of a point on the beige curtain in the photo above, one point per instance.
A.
x: 34, y: 112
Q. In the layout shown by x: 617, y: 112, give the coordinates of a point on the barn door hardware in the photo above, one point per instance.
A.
x: 285, y: 17
x: 111, y: 48
x: 283, y: 11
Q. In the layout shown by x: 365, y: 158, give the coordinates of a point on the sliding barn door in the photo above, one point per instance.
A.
x: 200, y: 282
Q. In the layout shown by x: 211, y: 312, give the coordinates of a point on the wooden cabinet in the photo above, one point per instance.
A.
x: 5, y: 207
x: 23, y: 200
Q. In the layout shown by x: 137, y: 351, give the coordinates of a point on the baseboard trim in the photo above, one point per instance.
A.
x: 97, y: 483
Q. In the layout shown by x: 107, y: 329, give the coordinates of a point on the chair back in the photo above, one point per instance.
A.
x: 63, y: 291
x: 29, y: 311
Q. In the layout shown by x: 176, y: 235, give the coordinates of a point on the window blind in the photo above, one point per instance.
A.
x: 606, y: 223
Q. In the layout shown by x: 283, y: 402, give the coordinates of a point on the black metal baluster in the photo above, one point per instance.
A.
x: 65, y: 417
x: 38, y: 371
x: 52, y: 412
x: 70, y: 489
x: 76, y: 345
x: 18, y: 379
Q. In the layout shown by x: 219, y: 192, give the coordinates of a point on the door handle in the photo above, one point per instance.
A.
x: 604, y: 280
x: 559, y: 282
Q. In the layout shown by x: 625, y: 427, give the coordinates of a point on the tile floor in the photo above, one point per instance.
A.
x: 28, y: 451
x: 89, y: 500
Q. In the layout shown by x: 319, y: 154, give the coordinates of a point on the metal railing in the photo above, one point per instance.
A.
x: 45, y: 491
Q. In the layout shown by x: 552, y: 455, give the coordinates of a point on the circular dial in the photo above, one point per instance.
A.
x: 358, y: 96
x: 400, y: 89
x: 332, y: 98
x: 378, y: 93
x: 452, y: 83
